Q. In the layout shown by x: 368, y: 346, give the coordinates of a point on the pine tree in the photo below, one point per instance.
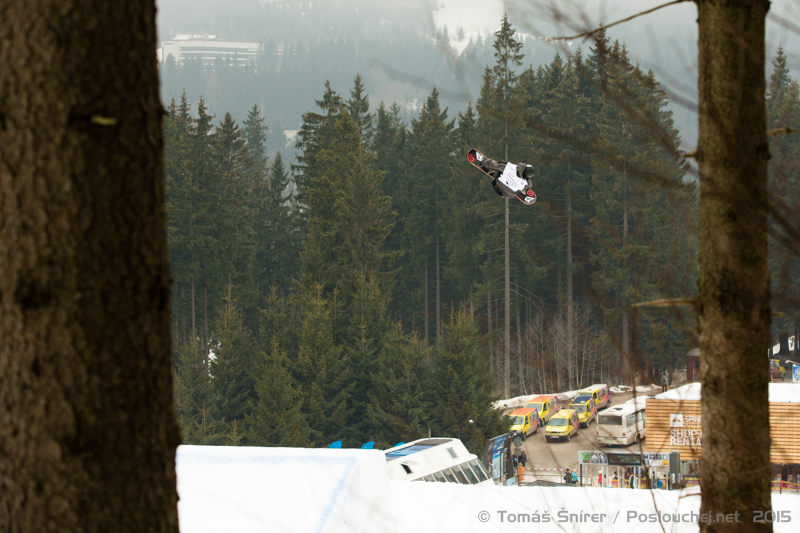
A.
x: 322, y: 369
x: 509, y: 56
x: 783, y: 110
x: 194, y: 403
x: 430, y: 142
x: 464, y: 386
x: 203, y: 246
x: 347, y: 230
x: 232, y: 190
x: 314, y: 136
x: 277, y: 418
x: 277, y: 235
x: 232, y: 364
x: 358, y: 106
x: 401, y: 407
x: 255, y: 135
x: 180, y: 190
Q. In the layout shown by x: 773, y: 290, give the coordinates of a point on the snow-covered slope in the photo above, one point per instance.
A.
x: 249, y: 490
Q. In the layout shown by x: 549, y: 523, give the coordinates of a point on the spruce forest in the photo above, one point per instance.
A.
x: 357, y: 292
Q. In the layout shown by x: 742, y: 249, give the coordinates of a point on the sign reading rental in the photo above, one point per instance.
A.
x: 674, y: 423
x: 690, y: 436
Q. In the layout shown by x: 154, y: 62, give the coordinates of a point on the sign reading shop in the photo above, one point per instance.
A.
x: 684, y: 430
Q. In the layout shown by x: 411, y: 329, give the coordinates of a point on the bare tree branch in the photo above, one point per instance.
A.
x: 592, y: 32
x: 669, y: 302
x: 784, y: 130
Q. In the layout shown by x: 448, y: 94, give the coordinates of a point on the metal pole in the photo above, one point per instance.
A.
x: 507, y: 369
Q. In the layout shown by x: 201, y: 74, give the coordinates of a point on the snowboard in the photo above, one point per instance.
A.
x: 474, y: 156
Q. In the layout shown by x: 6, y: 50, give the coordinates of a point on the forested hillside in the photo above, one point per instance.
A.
x: 395, y: 47
x: 357, y: 292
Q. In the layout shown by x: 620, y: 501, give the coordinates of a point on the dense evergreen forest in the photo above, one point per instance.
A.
x: 358, y: 293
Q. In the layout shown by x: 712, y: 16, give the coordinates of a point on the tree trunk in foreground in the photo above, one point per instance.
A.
x: 87, y: 426
x: 733, y: 298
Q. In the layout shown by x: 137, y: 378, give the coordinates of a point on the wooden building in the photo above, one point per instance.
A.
x: 674, y: 423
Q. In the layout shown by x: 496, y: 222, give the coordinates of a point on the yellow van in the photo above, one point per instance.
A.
x: 524, y: 421
x: 563, y: 425
x: 601, y: 395
x: 780, y: 370
x: 586, y: 409
x: 546, y: 406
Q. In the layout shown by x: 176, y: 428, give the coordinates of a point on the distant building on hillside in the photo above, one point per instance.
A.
x: 291, y: 137
x: 207, y: 48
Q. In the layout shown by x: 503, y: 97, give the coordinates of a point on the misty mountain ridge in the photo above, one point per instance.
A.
x: 402, y: 49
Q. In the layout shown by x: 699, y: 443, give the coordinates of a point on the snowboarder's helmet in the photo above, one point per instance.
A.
x: 528, y: 172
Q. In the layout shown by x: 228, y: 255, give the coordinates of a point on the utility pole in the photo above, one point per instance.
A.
x: 627, y: 363
x: 507, y: 335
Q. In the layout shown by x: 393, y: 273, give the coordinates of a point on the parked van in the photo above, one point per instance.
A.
x: 586, y: 409
x: 546, y: 405
x: 780, y: 370
x: 600, y: 393
x: 525, y: 421
x: 563, y: 425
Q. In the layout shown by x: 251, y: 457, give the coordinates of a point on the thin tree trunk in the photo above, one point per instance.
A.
x: 627, y: 363
x: 184, y: 333
x: 489, y: 329
x: 570, y: 310
x: 733, y: 297
x: 521, y: 351
x: 438, y: 297
x: 426, y: 311
x: 87, y: 426
x: 205, y: 325
x: 194, y: 314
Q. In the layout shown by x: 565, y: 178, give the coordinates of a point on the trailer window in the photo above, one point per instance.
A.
x: 473, y: 479
x: 481, y: 473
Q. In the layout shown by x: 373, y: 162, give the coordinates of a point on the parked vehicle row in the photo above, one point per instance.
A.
x: 561, y: 424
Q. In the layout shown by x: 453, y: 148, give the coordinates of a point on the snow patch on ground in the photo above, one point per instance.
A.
x: 475, y: 17
x: 251, y: 490
x: 640, y: 389
x: 225, y: 488
x: 514, y: 403
x: 567, y: 396
x: 778, y: 392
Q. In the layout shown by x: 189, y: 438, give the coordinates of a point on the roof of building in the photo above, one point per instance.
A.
x: 778, y: 392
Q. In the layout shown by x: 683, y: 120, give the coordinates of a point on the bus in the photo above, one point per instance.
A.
x: 622, y: 424
x: 440, y: 460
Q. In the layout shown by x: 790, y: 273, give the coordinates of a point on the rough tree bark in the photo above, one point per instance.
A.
x: 87, y: 426
x: 733, y: 298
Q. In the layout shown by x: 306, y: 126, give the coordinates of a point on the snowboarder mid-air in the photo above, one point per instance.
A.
x: 508, y: 180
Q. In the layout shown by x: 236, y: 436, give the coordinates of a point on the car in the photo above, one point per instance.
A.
x: 524, y: 421
x: 546, y: 405
x: 563, y: 425
x: 600, y: 393
x: 586, y: 409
